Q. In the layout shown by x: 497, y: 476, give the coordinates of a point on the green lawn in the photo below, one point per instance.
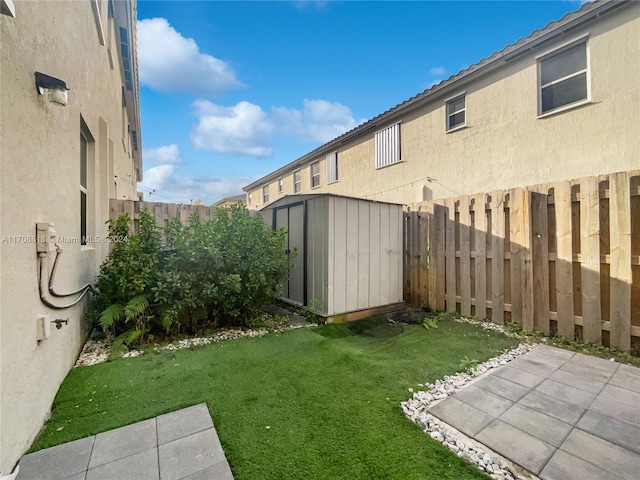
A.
x: 330, y: 397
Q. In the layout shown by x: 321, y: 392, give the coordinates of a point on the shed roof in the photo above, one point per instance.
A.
x: 589, y: 11
x: 301, y: 197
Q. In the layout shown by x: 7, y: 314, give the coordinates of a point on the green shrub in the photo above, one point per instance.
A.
x: 211, y: 273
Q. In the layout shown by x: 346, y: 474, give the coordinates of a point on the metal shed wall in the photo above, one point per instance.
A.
x: 352, y: 254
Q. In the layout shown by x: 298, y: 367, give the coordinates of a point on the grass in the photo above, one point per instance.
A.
x: 330, y: 396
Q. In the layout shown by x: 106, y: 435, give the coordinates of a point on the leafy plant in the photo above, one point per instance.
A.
x: 467, y: 364
x: 430, y: 323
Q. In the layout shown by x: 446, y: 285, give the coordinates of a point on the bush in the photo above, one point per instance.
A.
x: 211, y: 273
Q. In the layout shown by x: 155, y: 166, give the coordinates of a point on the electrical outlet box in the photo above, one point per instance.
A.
x: 43, y: 327
x: 45, y: 237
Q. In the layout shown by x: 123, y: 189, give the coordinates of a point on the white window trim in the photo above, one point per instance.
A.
x: 297, y: 183
x: 311, y: 175
x: 375, y: 140
x: 332, y: 170
x: 446, y: 112
x: 556, y: 51
x: 95, y: 5
x: 8, y: 8
x: 280, y: 185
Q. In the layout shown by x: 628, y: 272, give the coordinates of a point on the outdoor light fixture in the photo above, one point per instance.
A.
x: 54, y: 87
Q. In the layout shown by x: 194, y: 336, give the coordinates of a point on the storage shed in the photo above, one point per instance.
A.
x: 349, y: 253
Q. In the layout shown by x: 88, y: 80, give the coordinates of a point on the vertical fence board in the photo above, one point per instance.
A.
x: 497, y: 257
x: 413, y: 258
x: 590, y: 261
x: 424, y: 220
x: 515, y: 246
x: 431, y: 268
x: 465, y: 257
x: 439, y: 220
x: 480, y: 246
x: 564, y: 260
x: 450, y: 252
x: 540, y: 250
x: 620, y: 268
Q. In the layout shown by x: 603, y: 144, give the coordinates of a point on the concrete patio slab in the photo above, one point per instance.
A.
x: 175, y: 446
x: 570, y: 416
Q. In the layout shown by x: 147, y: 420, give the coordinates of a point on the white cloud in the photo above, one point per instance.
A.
x: 169, y: 62
x: 157, y: 178
x: 246, y: 129
x: 437, y: 71
x: 242, y: 129
x: 317, y: 121
x: 166, y: 154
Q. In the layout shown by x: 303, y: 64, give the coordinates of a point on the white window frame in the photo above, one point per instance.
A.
x: 265, y: 193
x: 250, y: 199
x: 314, y: 178
x: 84, y: 186
x: 7, y: 8
x: 297, y: 185
x: 448, y: 114
x: 280, y: 185
x: 388, y: 146
x: 587, y: 70
x: 332, y: 167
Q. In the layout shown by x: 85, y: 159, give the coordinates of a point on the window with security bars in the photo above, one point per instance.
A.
x: 387, y: 146
x: 563, y: 78
x: 332, y: 167
x: 315, y: 174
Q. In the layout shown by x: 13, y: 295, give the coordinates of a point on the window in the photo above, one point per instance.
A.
x: 83, y: 188
x: 332, y: 167
x: 7, y: 8
x: 315, y: 174
x: 265, y: 194
x: 280, y: 185
x: 387, y: 146
x: 250, y: 198
x: 456, y: 112
x: 563, y: 78
x: 297, y: 181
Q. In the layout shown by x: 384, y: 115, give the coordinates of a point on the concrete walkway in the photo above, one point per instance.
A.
x: 181, y: 445
x: 561, y: 415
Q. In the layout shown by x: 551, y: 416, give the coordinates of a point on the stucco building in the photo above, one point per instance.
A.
x: 70, y: 141
x: 561, y: 103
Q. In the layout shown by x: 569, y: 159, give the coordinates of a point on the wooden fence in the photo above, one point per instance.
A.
x: 161, y: 211
x: 563, y: 258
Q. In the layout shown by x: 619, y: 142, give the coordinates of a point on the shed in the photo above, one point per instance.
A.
x: 349, y: 253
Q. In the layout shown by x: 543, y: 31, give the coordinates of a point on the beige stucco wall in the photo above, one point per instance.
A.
x: 40, y: 182
x: 505, y: 144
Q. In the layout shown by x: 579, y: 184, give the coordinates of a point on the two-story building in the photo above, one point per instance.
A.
x: 561, y: 103
x: 70, y: 142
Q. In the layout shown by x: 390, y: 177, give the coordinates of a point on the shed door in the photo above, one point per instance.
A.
x: 292, y: 220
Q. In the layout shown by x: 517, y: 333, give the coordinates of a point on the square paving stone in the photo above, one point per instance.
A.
x: 188, y: 455
x: 554, y: 407
x: 627, y: 377
x: 553, y: 356
x: 604, y: 454
x: 500, y: 386
x: 564, y: 466
x: 123, y: 442
x: 591, y: 367
x: 461, y: 415
x: 543, y: 427
x: 577, y: 381
x: 518, y: 376
x: 564, y: 392
x: 520, y: 447
x: 534, y: 365
x: 141, y: 466
x: 621, y: 433
x: 623, y: 395
x: 219, y: 471
x: 77, y: 476
x: 57, y: 463
x: 617, y: 410
x: 484, y: 400
x: 181, y: 423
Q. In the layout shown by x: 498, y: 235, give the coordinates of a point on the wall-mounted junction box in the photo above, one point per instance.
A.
x: 45, y: 237
x: 44, y: 327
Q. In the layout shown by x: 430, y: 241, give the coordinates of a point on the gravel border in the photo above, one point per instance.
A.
x: 481, y: 456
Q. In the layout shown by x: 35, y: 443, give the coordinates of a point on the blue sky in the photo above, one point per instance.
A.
x: 230, y: 91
